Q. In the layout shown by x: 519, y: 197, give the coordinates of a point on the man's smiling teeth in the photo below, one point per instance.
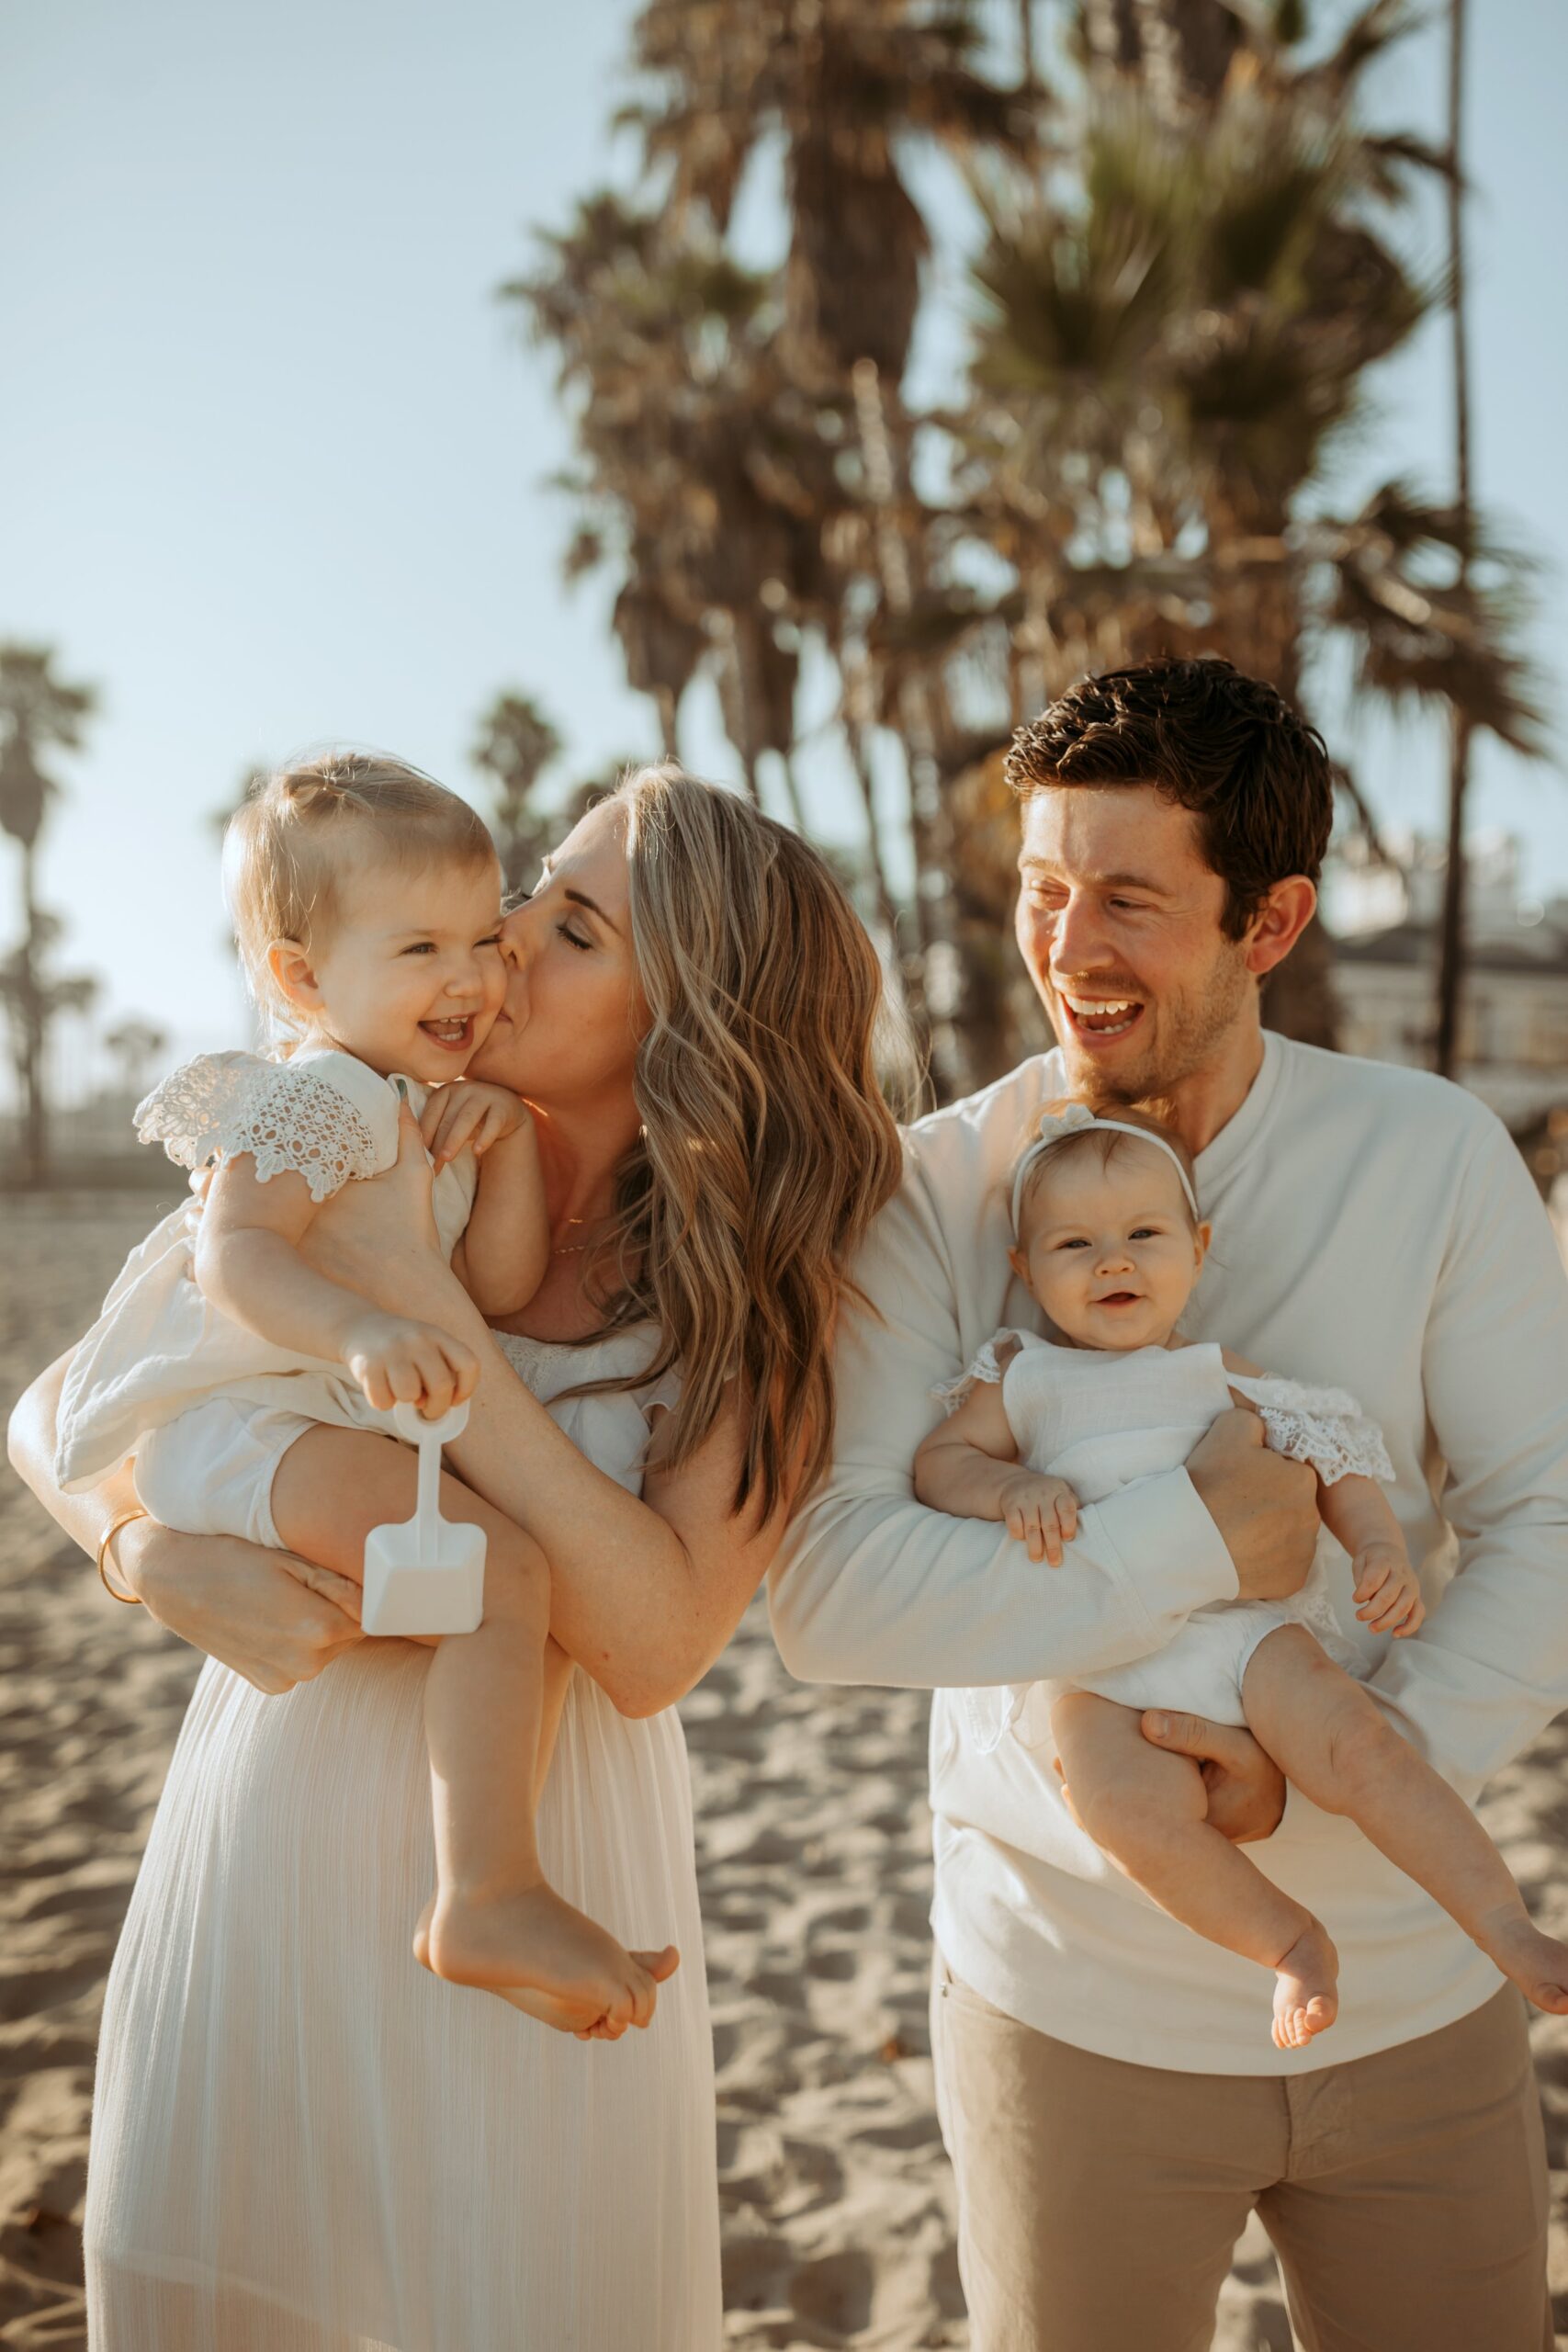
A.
x: 1103, y: 1016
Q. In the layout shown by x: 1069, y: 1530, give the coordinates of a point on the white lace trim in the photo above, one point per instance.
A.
x: 1323, y: 1426
x: 291, y: 1120
x: 951, y: 1393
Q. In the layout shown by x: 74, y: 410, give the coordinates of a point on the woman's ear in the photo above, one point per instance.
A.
x: 293, y: 975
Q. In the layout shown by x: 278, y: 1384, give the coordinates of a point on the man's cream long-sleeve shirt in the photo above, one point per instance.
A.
x: 1374, y: 1230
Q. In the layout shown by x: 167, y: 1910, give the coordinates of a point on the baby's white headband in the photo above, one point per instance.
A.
x: 1056, y: 1126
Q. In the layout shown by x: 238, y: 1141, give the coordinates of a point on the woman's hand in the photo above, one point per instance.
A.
x: 276, y: 1619
x: 379, y: 1237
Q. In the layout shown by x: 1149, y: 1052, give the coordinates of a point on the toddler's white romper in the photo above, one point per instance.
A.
x: 207, y: 1407
x: 1099, y: 1421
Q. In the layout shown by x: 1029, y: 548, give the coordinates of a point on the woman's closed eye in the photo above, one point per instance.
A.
x: 566, y: 931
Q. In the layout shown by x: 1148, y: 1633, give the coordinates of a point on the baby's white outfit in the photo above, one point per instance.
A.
x: 208, y: 1407
x: 1099, y: 1420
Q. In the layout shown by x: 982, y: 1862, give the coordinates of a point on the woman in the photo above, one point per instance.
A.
x: 301, y: 2142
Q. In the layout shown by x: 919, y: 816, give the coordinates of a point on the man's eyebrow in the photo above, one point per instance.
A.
x: 1028, y: 864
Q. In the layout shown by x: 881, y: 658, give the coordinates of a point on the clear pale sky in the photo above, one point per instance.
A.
x: 272, y: 456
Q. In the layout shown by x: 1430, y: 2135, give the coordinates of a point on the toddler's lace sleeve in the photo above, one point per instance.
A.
x: 1323, y: 1426
x: 951, y: 1393
x: 292, y: 1117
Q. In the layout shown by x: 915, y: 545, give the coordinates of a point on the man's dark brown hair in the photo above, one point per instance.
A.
x: 1253, y: 774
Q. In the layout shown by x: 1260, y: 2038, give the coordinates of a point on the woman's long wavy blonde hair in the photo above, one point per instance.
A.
x: 767, y: 1143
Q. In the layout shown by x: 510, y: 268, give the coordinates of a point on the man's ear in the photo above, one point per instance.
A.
x: 1279, y: 924
x: 294, y: 975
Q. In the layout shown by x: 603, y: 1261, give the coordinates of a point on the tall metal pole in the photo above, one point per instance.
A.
x: 1451, y: 939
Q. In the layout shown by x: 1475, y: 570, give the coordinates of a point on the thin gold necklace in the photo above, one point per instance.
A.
x: 570, y: 1249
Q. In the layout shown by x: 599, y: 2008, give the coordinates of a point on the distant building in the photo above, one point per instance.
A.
x: 1513, y: 1034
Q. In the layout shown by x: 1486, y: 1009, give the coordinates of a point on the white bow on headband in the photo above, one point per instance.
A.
x: 1055, y: 1127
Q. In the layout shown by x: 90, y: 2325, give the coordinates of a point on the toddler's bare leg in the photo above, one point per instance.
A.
x: 1329, y: 1737
x: 1147, y: 1810
x: 487, y: 1706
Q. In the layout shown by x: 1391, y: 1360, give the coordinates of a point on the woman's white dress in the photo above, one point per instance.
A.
x: 301, y: 2141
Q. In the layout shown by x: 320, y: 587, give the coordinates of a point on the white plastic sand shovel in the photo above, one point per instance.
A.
x: 424, y: 1574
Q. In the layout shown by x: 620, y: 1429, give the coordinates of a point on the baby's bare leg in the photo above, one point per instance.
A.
x: 1147, y: 1810
x: 1330, y: 1736
x: 489, y: 1706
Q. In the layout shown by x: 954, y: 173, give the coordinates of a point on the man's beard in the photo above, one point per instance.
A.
x: 1189, y: 1029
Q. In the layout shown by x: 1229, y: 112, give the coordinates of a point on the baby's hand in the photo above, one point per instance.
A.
x: 469, y: 1112
x: 1388, y: 1598
x: 397, y: 1360
x: 1041, y: 1512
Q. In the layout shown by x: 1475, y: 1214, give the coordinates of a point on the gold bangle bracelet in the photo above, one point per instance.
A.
x: 131, y: 1600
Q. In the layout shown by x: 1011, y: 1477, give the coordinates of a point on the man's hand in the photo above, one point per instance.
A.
x: 1264, y: 1505
x: 276, y: 1619
x: 1246, y: 1787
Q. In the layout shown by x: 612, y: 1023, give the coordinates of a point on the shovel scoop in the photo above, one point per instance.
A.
x: 424, y: 1574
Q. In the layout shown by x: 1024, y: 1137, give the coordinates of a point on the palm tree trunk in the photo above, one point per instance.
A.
x: 1451, y: 938
x: 791, y: 794
x: 1026, y: 67
x: 929, y: 824
x: 35, y: 1117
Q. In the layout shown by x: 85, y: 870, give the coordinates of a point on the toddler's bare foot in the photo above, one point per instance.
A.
x: 568, y: 2017
x: 540, y: 1954
x: 1306, y: 1998
x: 1538, y: 1963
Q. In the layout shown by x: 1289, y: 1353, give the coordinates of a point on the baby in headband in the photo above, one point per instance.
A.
x: 1109, y: 1242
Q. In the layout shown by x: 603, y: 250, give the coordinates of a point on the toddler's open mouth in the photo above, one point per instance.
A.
x: 456, y: 1036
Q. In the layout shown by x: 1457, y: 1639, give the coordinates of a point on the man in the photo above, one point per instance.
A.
x: 1110, y: 2093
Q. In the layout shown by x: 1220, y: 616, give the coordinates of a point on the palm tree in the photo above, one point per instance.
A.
x: 690, y: 461
x: 1450, y: 944
x: 846, y: 83
x: 516, y: 744
x: 136, y: 1045
x: 38, y: 710
x: 1173, y: 330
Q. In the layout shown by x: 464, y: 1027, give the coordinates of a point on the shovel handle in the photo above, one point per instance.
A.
x: 412, y: 1425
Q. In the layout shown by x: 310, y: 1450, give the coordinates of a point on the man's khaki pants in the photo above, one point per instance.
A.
x: 1099, y: 2203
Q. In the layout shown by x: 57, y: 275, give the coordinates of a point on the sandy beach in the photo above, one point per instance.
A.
x: 815, y: 1868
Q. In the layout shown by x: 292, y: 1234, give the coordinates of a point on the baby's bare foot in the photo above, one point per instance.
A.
x: 543, y: 1956
x: 1306, y: 1998
x: 568, y: 2017
x: 1538, y: 1963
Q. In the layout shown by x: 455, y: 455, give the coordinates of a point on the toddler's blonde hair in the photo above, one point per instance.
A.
x: 1106, y: 1143
x: 288, y: 847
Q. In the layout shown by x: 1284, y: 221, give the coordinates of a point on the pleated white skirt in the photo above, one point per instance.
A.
x: 303, y: 2143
